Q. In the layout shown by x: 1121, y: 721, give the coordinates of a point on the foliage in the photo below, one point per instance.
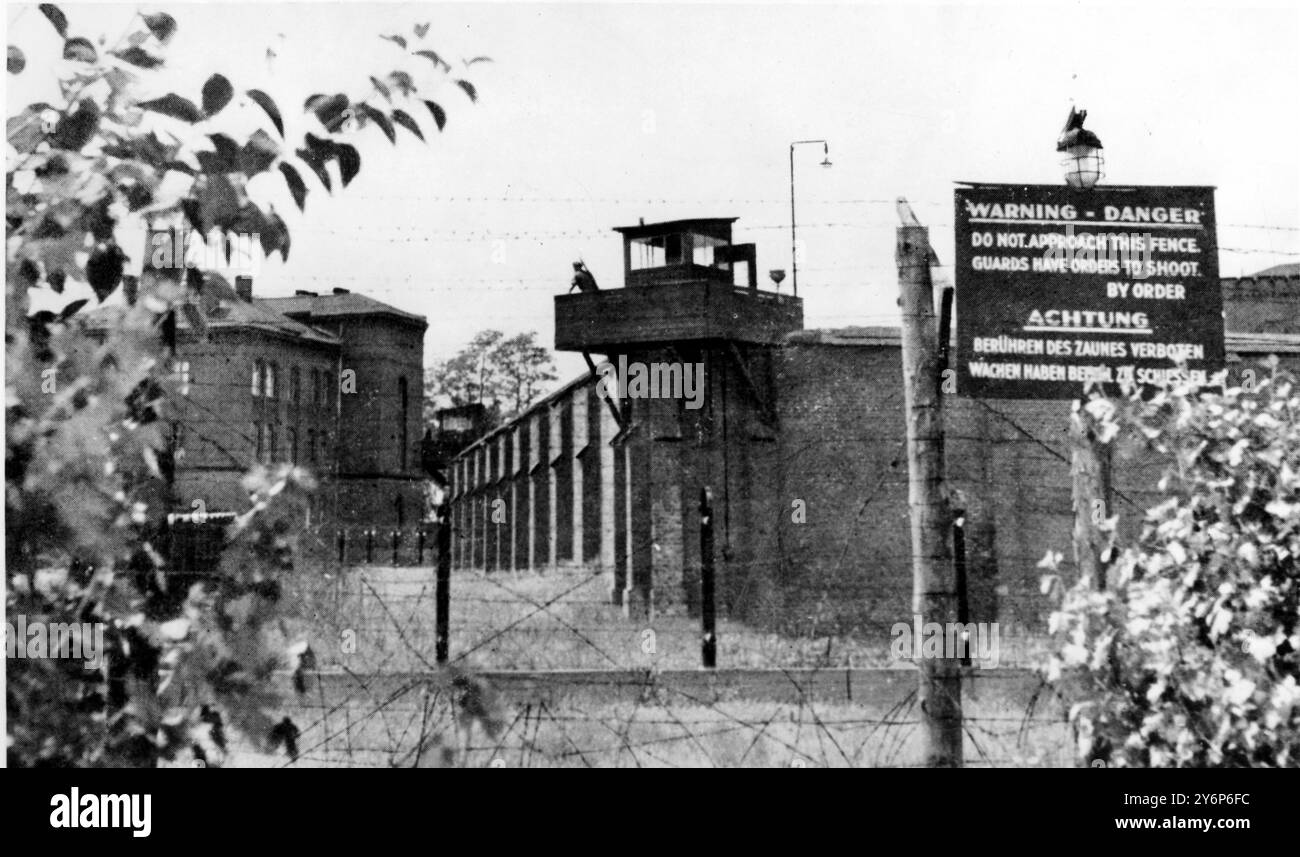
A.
x: 87, y: 465
x: 1190, y: 655
x: 506, y: 374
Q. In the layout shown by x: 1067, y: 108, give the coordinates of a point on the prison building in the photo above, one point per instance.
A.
x: 800, y: 436
x: 332, y: 383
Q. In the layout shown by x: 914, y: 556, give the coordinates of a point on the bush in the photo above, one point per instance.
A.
x: 1189, y: 655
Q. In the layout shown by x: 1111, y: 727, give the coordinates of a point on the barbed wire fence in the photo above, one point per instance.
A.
x: 545, y: 671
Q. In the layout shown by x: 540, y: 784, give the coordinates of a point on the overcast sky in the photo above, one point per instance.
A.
x: 593, y: 116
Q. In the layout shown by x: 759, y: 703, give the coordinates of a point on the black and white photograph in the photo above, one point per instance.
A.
x: 653, y: 385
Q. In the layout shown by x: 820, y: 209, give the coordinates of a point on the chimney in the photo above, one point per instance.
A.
x: 244, y: 288
x: 341, y: 291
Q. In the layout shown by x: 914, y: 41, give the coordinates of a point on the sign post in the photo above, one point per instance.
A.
x: 1063, y: 287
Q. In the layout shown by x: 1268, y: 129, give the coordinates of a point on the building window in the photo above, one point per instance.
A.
x: 181, y: 374
x: 259, y: 441
x: 311, y: 445
x: 401, y: 434
x: 315, y: 387
x: 295, y: 385
x: 257, y: 377
x: 293, y: 446
x: 271, y: 370
x: 272, y: 445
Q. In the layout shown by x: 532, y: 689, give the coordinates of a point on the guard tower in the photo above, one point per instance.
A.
x: 690, y: 304
x: 680, y: 285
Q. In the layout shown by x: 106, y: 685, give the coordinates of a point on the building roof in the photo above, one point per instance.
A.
x: 337, y: 305
x: 1289, y: 270
x: 227, y: 314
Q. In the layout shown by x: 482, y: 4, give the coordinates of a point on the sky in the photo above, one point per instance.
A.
x: 593, y: 116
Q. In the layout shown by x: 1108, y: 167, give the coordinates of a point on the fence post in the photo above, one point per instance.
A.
x: 419, y: 540
x: 396, y: 537
x: 959, y: 568
x: 934, y: 597
x: 342, y: 547
x: 1090, y: 466
x: 442, y: 589
x: 370, y: 546
x: 707, y: 613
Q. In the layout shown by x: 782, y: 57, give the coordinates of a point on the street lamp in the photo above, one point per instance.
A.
x: 826, y: 162
x: 1083, y: 162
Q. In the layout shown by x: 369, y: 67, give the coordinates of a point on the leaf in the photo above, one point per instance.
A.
x: 225, y: 158
x: 71, y: 309
x: 329, y: 109
x: 317, y: 165
x: 174, y: 106
x: 104, y: 270
x: 349, y: 162
x: 193, y: 213
x: 57, y: 18
x: 297, y: 188
x: 138, y: 56
x: 79, y: 49
x: 75, y: 130
x: 469, y: 89
x: 217, y: 93
x: 420, y: 30
x: 470, y: 62
x: 402, y: 81
x: 259, y: 153
x: 439, y: 116
x: 16, y: 62
x: 398, y: 39
x: 275, y: 236
x: 264, y: 101
x: 56, y: 280
x: 161, y: 25
x: 220, y: 201
x: 404, y: 119
x: 433, y: 57
x: 379, y: 119
x: 381, y: 89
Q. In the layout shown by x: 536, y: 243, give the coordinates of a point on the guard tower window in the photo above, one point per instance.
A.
x: 656, y: 251
x: 707, y: 253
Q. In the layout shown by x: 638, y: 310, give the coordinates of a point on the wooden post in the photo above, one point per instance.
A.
x: 442, y: 586
x: 707, y: 611
x: 934, y: 596
x: 1090, y: 468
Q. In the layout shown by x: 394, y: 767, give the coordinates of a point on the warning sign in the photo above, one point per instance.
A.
x: 1058, y: 286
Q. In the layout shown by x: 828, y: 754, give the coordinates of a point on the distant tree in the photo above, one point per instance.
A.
x: 86, y: 454
x: 507, y: 375
x: 1190, y: 655
x: 524, y: 368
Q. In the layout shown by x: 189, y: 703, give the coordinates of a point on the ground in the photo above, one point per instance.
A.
x: 551, y: 674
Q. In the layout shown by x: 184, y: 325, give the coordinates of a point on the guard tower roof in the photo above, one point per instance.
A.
x: 714, y: 227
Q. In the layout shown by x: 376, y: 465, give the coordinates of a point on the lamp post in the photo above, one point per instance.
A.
x: 826, y: 162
